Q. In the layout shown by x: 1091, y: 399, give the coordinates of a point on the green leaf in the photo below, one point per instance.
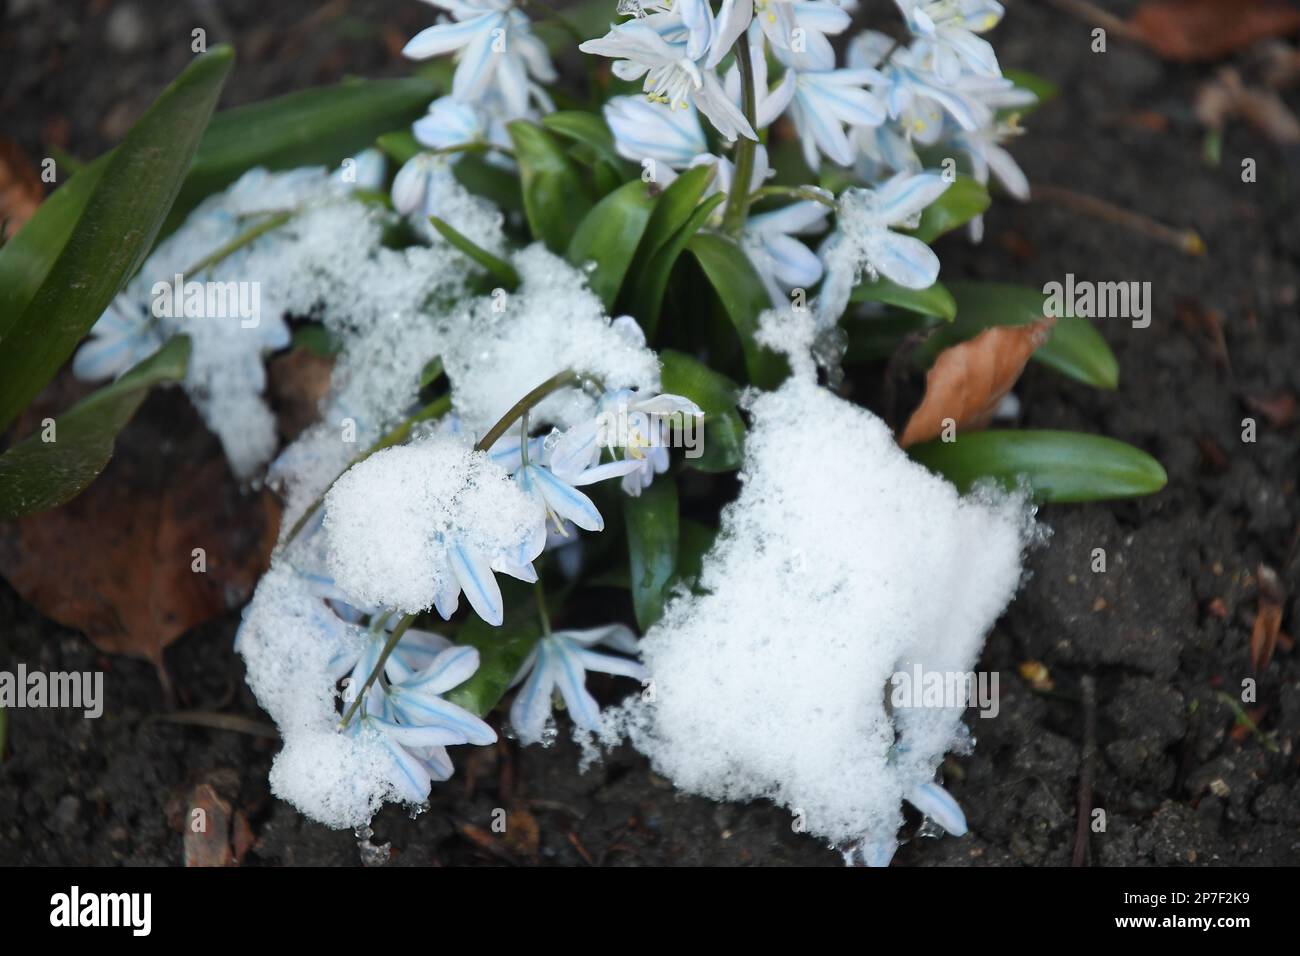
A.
x: 1060, y: 466
x: 36, y: 475
x: 724, y: 431
x: 676, y: 207
x: 960, y: 203
x: 588, y: 129
x: 400, y: 146
x: 26, y: 259
x: 697, y: 539
x: 498, y: 185
x: 321, y: 126
x: 1075, y: 349
x: 555, y: 197
x: 652, y: 547
x: 744, y: 298
x: 936, y: 300
x: 609, y: 235
x: 502, y: 651
x: 113, y: 234
x: 649, y: 294
x: 875, y: 337
x: 497, y: 267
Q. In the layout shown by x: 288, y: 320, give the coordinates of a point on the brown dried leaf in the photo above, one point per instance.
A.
x: 1268, y: 618
x: 968, y: 380
x: 207, y: 829
x: 21, y: 190
x: 1200, y: 30
x: 117, y: 562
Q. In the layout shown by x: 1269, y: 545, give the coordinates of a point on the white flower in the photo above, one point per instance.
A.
x: 781, y: 261
x: 864, y: 242
x: 656, y: 48
x: 824, y: 101
x: 946, y: 40
x: 639, y: 427
x: 497, y: 51
x: 646, y: 130
x: 804, y: 45
x: 406, y: 710
x: 560, y: 662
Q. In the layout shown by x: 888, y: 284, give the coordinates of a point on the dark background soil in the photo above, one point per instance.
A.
x: 1163, y: 631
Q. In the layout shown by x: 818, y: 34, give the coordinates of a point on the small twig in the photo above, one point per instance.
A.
x: 215, y: 721
x: 1185, y: 240
x: 1087, y: 759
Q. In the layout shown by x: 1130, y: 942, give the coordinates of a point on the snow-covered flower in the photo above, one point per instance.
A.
x: 497, y: 51
x: 864, y: 242
x: 824, y: 101
x: 559, y: 662
x: 945, y: 32
x: 363, y: 171
x: 124, y: 336
x: 408, y: 714
x: 781, y: 261
x: 654, y: 131
x: 655, y: 47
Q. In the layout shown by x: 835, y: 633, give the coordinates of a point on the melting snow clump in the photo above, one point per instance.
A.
x: 841, y: 563
x: 397, y: 523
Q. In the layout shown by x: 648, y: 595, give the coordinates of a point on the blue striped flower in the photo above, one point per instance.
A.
x: 558, y: 664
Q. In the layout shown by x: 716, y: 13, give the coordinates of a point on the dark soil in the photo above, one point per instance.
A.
x: 1164, y: 631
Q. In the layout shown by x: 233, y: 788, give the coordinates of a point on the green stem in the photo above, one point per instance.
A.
x: 809, y: 193
x: 541, y: 608
x: 435, y: 409
x: 738, y: 201
x: 241, y: 240
x: 553, y: 384
x: 389, y: 646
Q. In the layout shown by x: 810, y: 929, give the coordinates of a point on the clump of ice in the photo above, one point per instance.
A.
x: 841, y: 562
x: 390, y: 520
x: 502, y: 345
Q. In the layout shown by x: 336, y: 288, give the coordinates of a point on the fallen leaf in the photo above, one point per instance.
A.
x: 298, y: 381
x: 1200, y: 30
x: 1278, y: 409
x: 119, y: 562
x: 207, y: 829
x: 1268, y: 618
x: 969, y: 379
x: 522, y: 834
x: 21, y: 190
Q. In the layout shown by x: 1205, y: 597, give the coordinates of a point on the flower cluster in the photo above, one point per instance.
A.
x: 502, y: 475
